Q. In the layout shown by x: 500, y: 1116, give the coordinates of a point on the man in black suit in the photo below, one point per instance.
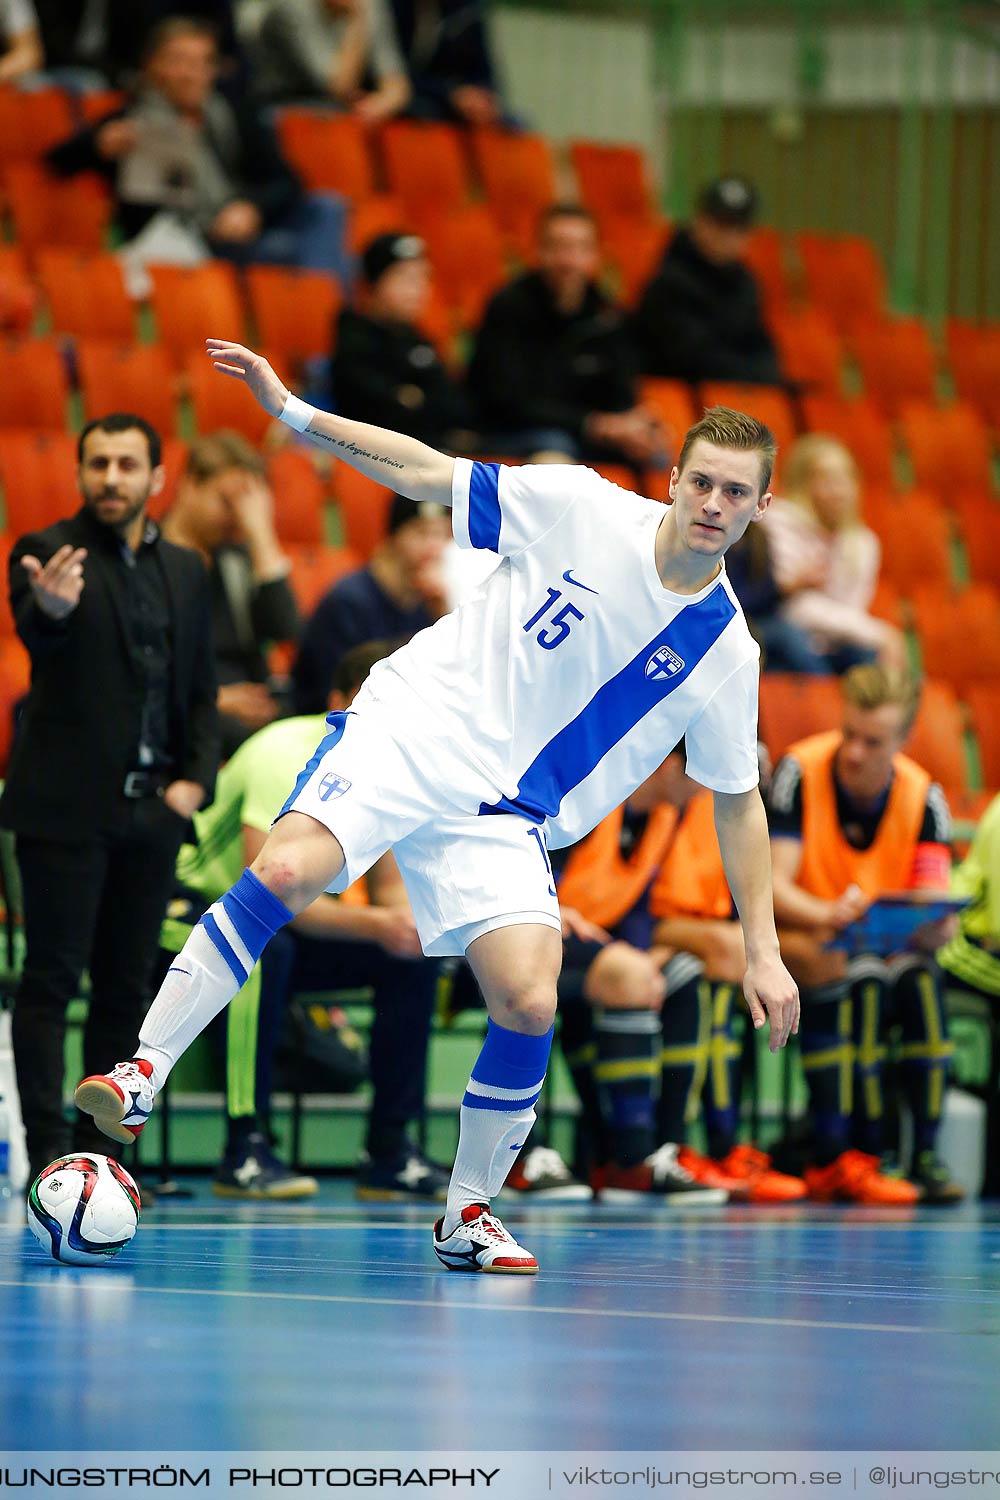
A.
x: 118, y: 746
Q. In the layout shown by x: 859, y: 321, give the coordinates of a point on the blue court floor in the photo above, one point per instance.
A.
x: 330, y: 1326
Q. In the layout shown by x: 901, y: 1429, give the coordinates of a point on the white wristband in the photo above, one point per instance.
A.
x: 296, y: 413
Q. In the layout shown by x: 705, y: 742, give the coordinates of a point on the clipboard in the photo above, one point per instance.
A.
x: 890, y: 922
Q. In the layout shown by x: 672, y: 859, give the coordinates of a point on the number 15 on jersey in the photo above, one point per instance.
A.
x: 555, y: 632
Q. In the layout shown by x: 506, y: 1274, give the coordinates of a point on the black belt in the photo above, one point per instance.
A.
x: 146, y: 784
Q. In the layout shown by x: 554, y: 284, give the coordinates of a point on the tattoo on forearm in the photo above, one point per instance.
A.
x: 346, y: 446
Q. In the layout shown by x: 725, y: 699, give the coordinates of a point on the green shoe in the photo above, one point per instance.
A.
x: 931, y: 1176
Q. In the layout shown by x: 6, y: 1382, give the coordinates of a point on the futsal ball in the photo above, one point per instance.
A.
x: 83, y: 1209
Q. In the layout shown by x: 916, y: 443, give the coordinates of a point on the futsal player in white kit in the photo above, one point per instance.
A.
x: 607, y: 633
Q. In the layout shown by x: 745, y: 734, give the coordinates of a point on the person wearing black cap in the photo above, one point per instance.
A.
x: 385, y: 370
x: 399, y: 592
x: 700, y: 316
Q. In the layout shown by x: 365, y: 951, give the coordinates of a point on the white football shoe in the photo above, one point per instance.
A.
x: 481, y: 1243
x: 120, y: 1101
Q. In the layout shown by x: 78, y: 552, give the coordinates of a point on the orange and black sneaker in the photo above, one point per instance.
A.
x: 710, y: 1173
x: 855, y: 1178
x: 759, y: 1182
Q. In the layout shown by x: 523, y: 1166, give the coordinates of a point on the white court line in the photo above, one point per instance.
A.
x: 533, y: 1310
x: 538, y: 1226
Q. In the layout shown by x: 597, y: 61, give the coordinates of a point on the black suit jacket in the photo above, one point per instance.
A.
x: 80, y: 728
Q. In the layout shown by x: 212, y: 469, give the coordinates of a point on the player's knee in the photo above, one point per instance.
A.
x: 286, y: 877
x: 528, y: 1006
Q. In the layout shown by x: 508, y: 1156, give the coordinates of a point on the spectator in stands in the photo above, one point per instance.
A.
x: 972, y: 955
x: 660, y: 1018
x: 853, y: 818
x: 107, y: 40
x: 700, y: 317
x: 224, y: 511
x: 826, y: 561
x: 195, y: 175
x: 385, y: 370
x: 447, y: 51
x: 553, y: 372
x: 117, y: 748
x: 784, y: 646
x: 398, y: 593
x: 20, y: 42
x: 366, y: 938
x: 339, y: 52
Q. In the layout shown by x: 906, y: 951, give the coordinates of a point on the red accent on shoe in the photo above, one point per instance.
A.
x: 473, y: 1211
x: 102, y: 1078
x: 515, y: 1260
x: 144, y: 1065
x: 710, y: 1173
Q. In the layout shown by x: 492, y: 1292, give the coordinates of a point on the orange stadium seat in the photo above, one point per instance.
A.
x: 294, y: 310
x: 983, y: 699
x: 619, y: 474
x: 34, y: 389
x: 15, y: 678
x: 949, y: 448
x: 363, y: 504
x: 383, y: 213
x: 897, y: 362
x: 46, y: 210
x: 31, y: 122
x: 886, y: 604
x: 86, y: 294
x: 38, y: 474
x: 977, y: 521
x: 862, y: 428
x: 330, y: 153
x: 809, y: 348
x: 467, y: 256
x: 519, y: 180
x: 18, y: 296
x: 974, y: 356
x: 635, y: 250
x: 192, y: 303
x: 793, y: 706
x: 101, y: 102
x: 317, y: 569
x: 959, y: 634
x: 298, y: 497
x: 614, y: 182
x: 915, y: 532
x: 6, y: 613
x: 220, y: 401
x: 134, y: 377
x: 937, y: 738
x: 843, y: 276
x: 767, y: 403
x: 425, y: 167
x: 673, y: 402
x: 765, y: 255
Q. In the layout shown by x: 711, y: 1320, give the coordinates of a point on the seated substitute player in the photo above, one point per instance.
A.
x: 608, y: 632
x: 851, y: 818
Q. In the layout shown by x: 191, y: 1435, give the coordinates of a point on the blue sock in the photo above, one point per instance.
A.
x: 250, y: 916
x: 496, y: 1116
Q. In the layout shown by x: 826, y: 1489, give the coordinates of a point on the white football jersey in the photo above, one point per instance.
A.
x: 572, y: 672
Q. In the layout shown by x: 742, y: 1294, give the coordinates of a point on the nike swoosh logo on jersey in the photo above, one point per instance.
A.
x: 568, y: 576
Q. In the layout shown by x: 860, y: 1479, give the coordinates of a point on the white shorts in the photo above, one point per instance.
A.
x: 465, y: 875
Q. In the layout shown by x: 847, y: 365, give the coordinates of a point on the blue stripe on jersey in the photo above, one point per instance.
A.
x: 615, y: 709
x: 336, y: 721
x: 484, y: 507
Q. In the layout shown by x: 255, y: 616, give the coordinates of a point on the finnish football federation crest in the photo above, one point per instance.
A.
x: 333, y: 786
x: 663, y: 664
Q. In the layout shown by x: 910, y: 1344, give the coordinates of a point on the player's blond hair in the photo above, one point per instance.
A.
x: 871, y: 686
x: 726, y: 428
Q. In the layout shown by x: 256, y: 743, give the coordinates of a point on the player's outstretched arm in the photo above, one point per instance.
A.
x: 771, y: 992
x: 400, y: 462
